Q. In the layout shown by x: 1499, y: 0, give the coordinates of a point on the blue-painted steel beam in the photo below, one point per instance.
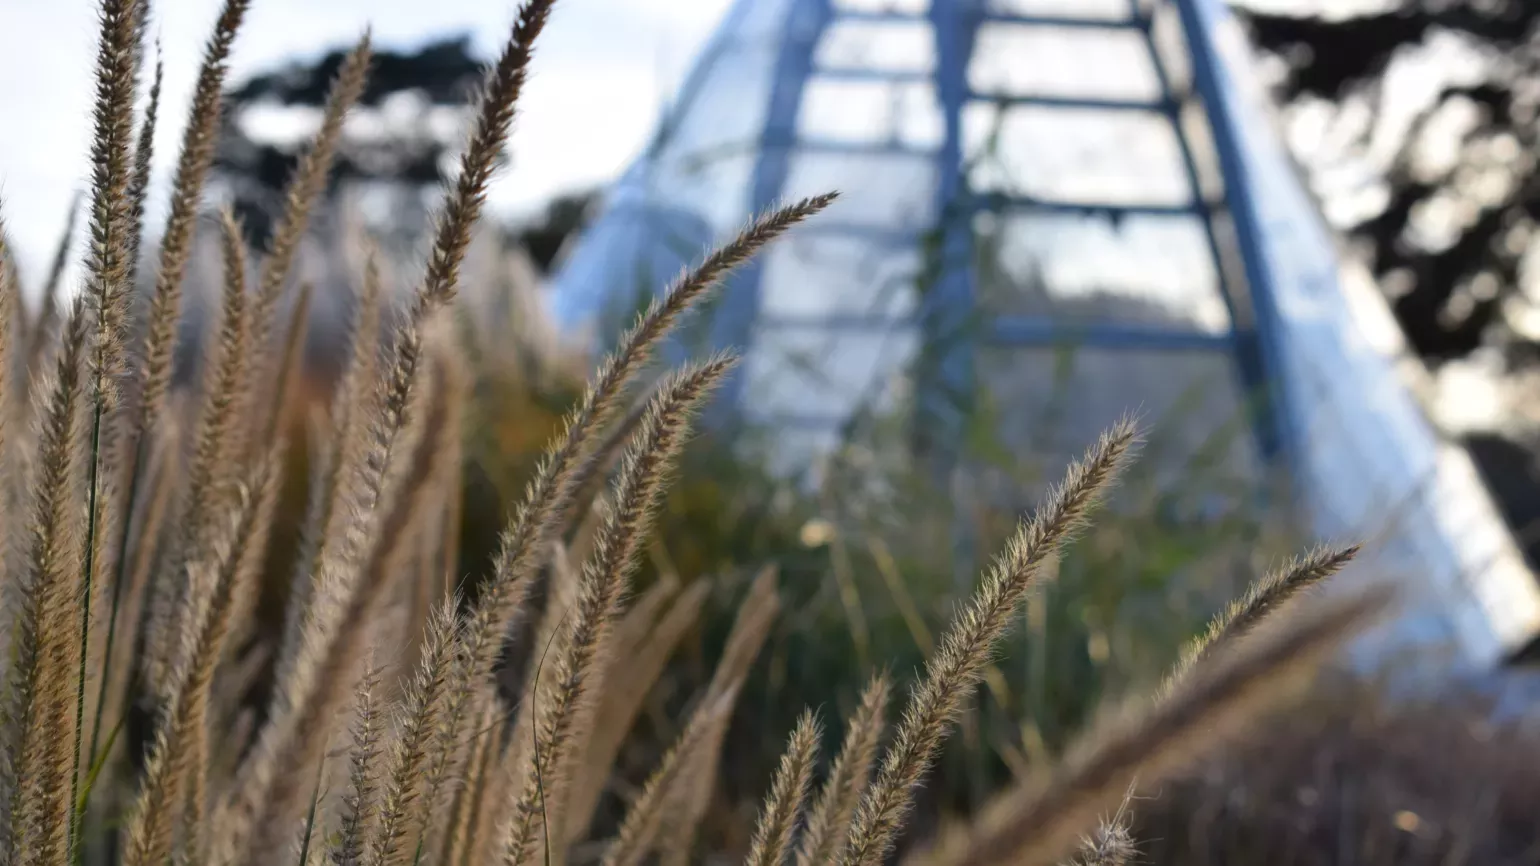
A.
x: 1030, y: 331
x: 1006, y: 202
x: 856, y: 148
x: 1020, y: 332
x: 1250, y: 366
x: 1075, y: 103
x: 859, y: 75
x: 1274, y: 415
x: 1066, y: 21
x: 944, y: 374
x: 732, y: 320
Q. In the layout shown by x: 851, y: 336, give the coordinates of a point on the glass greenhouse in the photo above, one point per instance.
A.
x: 1045, y: 198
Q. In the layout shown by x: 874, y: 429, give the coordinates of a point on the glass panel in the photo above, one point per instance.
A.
x: 1047, y: 405
x: 795, y: 451
x: 895, y: 191
x: 1110, y: 9
x: 915, y: 7
x: 810, y: 274
x: 825, y: 373
x: 884, y: 47
x: 1148, y: 270
x: 1122, y: 157
x: 1171, y: 43
x: 712, y: 186
x: 1012, y: 59
x: 872, y: 112
x: 724, y: 100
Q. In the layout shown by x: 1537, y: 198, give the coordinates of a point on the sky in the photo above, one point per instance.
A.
x: 602, y: 72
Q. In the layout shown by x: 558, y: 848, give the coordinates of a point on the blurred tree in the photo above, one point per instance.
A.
x: 399, y: 150
x: 1448, y: 234
x: 397, y: 154
x: 1430, y: 109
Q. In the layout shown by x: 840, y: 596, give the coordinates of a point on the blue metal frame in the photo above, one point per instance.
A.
x: 1282, y: 260
x: 1022, y: 332
x: 948, y: 316
x: 949, y: 304
x: 732, y: 322
x: 1278, y: 440
x: 1249, y: 363
x: 696, y: 79
x: 946, y: 380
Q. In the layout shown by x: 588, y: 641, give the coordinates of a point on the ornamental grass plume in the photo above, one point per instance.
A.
x: 383, y: 732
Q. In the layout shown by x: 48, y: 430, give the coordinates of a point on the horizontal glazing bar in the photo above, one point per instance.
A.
x: 1074, y: 102
x: 1007, y: 202
x: 877, y: 76
x: 876, y: 17
x: 1024, y: 331
x: 834, y: 146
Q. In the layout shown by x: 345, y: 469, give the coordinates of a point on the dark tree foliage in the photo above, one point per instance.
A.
x: 1440, y: 296
x: 545, y: 235
x: 442, y: 73
x: 445, y: 72
x: 1449, y: 298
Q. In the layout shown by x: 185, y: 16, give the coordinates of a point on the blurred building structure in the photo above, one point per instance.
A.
x: 1064, y: 209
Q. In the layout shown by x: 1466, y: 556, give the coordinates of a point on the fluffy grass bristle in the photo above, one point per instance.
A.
x: 192, y: 169
x: 1264, y: 598
x: 605, y: 581
x: 300, y: 196
x: 646, y: 817
x: 955, y: 669
x: 787, y: 799
x: 46, y: 632
x: 828, y: 824
x: 1038, y: 824
x: 216, y: 589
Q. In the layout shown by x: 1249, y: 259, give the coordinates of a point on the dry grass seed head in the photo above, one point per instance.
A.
x: 954, y: 671
x: 300, y: 196
x: 1264, y: 598
x: 208, y: 474
x: 107, y: 265
x: 1110, y: 844
x: 550, y: 495
x: 42, y: 335
x: 1038, y: 824
x: 339, y: 457
x: 407, y: 800
x: 269, y: 793
x: 646, y: 817
x: 605, y: 581
x: 548, y: 500
x: 144, y: 153
x: 215, y: 595
x: 10, y: 315
x: 39, y: 685
x: 828, y: 824
x: 462, y: 209
x: 635, y: 668
x: 788, y: 795
x: 193, y: 163
x: 462, y: 818
x: 358, y: 804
